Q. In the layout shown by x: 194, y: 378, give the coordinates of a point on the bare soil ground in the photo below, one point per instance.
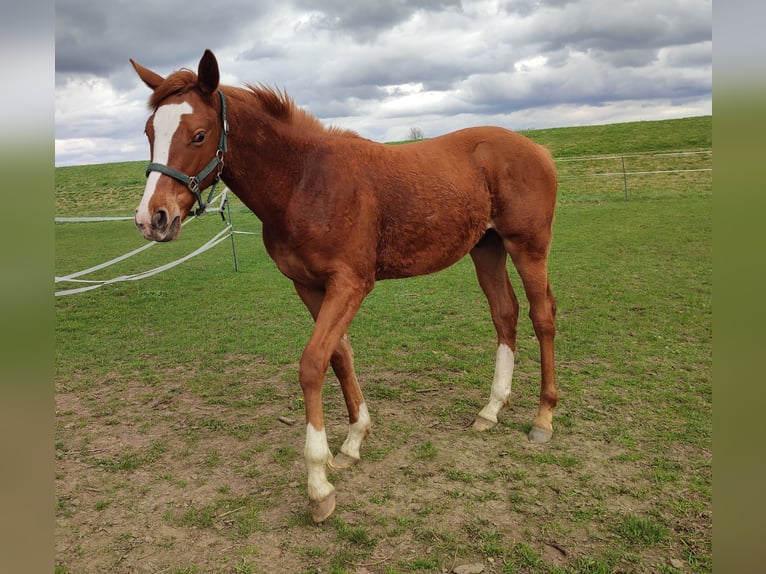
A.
x: 163, y: 478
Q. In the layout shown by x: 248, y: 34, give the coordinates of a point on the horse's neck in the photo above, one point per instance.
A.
x: 262, y: 165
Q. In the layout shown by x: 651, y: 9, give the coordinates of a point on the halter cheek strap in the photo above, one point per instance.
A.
x: 192, y: 182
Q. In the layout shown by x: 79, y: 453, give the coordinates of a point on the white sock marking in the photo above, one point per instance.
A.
x: 166, y: 120
x: 501, y: 384
x: 356, y: 433
x: 317, y: 455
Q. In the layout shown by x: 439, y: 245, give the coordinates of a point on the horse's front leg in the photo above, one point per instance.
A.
x: 340, y: 303
x: 358, y: 416
x: 342, y: 362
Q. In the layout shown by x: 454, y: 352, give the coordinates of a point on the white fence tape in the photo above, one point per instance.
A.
x: 89, y: 219
x: 613, y: 173
x: 95, y: 284
x: 73, y: 276
x: 634, y: 154
x: 215, y: 240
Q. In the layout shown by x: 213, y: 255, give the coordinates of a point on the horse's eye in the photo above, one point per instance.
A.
x: 199, y: 137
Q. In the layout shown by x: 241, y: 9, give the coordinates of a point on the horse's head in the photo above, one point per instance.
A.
x: 187, y: 138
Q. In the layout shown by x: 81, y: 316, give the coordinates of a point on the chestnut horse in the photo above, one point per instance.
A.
x: 340, y: 212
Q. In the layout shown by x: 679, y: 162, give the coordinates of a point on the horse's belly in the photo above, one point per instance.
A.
x: 426, y: 245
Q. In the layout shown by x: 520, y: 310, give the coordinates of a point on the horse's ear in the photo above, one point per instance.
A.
x: 207, y: 73
x: 151, y: 79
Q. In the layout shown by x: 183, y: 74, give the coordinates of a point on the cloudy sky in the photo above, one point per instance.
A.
x: 382, y: 67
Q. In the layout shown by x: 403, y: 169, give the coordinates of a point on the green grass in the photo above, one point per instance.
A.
x: 169, y: 389
x: 628, y: 138
x: 98, y: 190
x: 640, y: 530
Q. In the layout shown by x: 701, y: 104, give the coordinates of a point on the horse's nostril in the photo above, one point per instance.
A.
x: 160, y: 219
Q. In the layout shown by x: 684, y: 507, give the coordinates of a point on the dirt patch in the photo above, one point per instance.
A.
x: 166, y: 478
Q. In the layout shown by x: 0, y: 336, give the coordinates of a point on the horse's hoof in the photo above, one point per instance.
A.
x: 481, y: 424
x: 341, y: 461
x: 322, y: 509
x: 540, y: 435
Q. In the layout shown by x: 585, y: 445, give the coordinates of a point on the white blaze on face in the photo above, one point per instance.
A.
x: 166, y: 120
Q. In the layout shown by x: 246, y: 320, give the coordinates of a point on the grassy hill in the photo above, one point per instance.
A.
x: 665, y: 135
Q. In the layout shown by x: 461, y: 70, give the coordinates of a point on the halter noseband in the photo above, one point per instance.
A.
x: 193, y: 181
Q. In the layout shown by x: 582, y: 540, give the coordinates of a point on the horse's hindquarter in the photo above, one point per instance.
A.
x: 440, y: 196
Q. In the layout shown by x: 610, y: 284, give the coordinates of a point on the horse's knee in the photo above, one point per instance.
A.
x: 311, y: 371
x: 544, y: 325
x: 543, y: 316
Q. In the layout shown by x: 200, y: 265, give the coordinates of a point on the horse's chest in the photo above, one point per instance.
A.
x: 291, y: 262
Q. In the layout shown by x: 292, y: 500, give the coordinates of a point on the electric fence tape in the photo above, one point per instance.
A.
x: 222, y: 235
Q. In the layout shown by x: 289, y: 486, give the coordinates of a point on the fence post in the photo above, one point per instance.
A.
x: 624, y: 177
x: 231, y: 233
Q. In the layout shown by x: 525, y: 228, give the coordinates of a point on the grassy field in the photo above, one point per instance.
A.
x: 171, y: 458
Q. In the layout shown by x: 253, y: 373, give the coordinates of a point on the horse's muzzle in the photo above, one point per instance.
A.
x: 161, y: 228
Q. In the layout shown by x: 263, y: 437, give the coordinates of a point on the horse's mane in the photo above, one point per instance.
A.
x: 280, y: 106
x: 276, y: 103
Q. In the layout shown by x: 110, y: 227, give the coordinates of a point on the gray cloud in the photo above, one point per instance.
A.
x: 98, y: 37
x: 383, y: 67
x: 365, y: 20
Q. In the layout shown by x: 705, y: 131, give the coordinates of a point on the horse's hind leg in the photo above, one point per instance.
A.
x: 489, y: 257
x: 342, y: 362
x: 531, y: 262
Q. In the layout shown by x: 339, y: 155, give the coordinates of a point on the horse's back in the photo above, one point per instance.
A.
x: 500, y: 156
